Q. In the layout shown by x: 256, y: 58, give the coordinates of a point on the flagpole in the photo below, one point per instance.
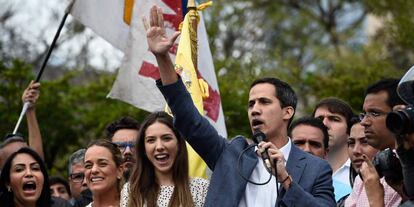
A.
x: 49, y: 52
x: 192, y: 10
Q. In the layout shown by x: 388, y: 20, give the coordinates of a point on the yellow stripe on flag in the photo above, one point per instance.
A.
x: 198, y: 88
x: 128, y: 5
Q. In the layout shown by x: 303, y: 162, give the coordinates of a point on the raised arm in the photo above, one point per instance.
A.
x: 159, y: 44
x: 198, y: 132
x: 31, y: 94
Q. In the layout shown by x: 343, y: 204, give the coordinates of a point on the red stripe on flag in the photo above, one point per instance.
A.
x: 212, y: 104
x: 149, y: 70
x: 176, y: 18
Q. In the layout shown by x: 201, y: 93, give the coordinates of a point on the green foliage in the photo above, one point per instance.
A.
x: 13, y: 76
x: 321, y: 48
x: 70, y: 115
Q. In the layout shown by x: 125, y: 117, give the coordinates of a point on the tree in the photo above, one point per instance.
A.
x: 70, y: 115
x: 319, y: 47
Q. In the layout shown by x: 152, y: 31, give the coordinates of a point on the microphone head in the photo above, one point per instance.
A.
x: 259, y: 136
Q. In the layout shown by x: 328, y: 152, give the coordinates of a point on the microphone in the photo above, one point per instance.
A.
x: 258, y: 137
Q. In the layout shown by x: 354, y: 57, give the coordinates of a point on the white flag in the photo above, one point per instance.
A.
x: 138, y: 72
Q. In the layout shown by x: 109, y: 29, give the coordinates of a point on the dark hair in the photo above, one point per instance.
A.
x: 314, y: 122
x: 125, y: 122
x: 59, y: 180
x: 352, y: 172
x: 388, y: 85
x: 337, y: 106
x: 354, y: 120
x: 11, y: 138
x: 284, y: 93
x: 115, y: 152
x: 6, y: 197
x: 143, y: 183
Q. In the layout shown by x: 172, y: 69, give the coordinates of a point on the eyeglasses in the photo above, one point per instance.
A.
x: 77, y: 177
x: 124, y: 145
x: 370, y: 114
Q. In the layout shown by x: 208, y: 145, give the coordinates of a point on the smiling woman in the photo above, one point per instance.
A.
x: 103, y: 172
x: 24, y: 181
x: 160, y: 177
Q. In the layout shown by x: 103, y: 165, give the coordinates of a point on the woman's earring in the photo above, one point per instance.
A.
x: 9, y: 189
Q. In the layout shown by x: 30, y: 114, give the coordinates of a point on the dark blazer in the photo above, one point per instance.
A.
x: 312, y: 177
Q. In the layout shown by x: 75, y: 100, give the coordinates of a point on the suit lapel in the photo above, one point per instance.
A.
x: 249, y: 163
x: 296, y: 163
x: 294, y: 166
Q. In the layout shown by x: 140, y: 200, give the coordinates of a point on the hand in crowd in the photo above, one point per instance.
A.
x: 157, y: 39
x: 31, y: 94
x: 373, y: 187
x: 276, y: 154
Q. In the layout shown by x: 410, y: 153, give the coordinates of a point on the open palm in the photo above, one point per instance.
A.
x: 157, y: 39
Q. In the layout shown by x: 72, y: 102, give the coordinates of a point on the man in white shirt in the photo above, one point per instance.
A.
x: 304, y: 180
x: 336, y: 114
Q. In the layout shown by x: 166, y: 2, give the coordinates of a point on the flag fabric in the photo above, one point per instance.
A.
x: 196, y: 86
x: 120, y: 23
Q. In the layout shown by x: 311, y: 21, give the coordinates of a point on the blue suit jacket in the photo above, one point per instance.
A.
x: 312, y: 177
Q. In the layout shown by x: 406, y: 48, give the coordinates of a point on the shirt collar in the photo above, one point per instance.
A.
x: 285, y: 149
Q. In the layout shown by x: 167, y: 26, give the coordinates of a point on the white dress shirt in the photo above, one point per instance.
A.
x: 262, y: 195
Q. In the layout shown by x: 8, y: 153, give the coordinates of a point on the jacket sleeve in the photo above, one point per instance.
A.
x: 321, y: 193
x: 196, y: 129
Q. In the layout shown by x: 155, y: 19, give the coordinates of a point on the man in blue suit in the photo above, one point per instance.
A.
x: 304, y: 180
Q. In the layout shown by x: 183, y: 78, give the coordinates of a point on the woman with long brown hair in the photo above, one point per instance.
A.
x: 160, y: 177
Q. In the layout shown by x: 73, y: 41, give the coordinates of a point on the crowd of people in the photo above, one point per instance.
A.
x: 329, y: 158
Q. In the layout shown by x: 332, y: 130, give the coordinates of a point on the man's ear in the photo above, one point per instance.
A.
x: 288, y: 112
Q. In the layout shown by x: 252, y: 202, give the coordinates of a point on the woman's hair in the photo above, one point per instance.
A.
x: 144, y: 186
x: 6, y: 197
x: 115, y: 152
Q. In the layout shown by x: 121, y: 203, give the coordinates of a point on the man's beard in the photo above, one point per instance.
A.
x: 129, y: 163
x: 127, y: 173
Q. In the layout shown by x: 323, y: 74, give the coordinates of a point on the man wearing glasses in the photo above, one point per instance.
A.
x: 369, y: 188
x: 380, y: 98
x: 81, y: 195
x: 124, y: 133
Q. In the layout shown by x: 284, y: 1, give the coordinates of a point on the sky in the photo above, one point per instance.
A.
x: 35, y: 20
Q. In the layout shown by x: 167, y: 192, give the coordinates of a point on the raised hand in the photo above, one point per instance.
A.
x: 31, y: 94
x: 157, y: 39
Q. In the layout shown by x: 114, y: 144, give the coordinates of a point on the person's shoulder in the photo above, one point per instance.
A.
x: 125, y: 190
x: 59, y: 202
x: 125, y: 186
x: 124, y: 195
x: 240, y: 139
x: 199, y: 182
